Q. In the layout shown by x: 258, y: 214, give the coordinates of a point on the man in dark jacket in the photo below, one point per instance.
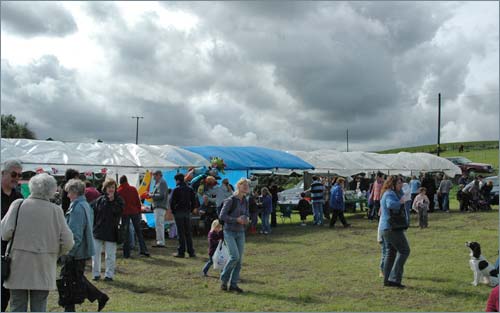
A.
x: 430, y: 184
x: 11, y: 173
x: 274, y: 196
x: 182, y: 203
x: 70, y: 174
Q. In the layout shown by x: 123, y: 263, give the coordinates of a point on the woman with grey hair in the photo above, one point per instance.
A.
x: 12, y: 171
x: 38, y: 234
x: 80, y: 219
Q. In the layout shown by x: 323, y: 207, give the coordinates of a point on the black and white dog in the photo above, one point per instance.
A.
x: 483, y: 271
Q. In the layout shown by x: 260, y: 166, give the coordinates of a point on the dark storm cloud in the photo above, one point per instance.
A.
x: 337, y: 66
x: 30, y: 19
x: 47, y: 96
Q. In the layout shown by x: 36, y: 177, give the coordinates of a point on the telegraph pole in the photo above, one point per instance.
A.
x: 347, y: 139
x: 439, y: 123
x: 137, y: 129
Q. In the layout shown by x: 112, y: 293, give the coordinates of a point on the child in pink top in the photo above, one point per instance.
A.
x: 421, y: 206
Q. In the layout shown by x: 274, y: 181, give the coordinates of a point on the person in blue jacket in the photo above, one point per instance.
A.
x: 337, y: 203
x: 398, y: 248
x: 80, y: 219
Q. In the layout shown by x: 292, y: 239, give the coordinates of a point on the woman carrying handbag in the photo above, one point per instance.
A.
x: 393, y: 223
x: 38, y: 234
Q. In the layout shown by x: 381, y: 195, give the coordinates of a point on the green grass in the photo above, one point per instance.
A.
x: 452, y: 146
x: 314, y: 269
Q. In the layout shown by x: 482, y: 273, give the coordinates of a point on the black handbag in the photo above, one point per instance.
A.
x: 6, y: 260
x: 397, y: 220
x: 121, y: 233
x: 71, y: 286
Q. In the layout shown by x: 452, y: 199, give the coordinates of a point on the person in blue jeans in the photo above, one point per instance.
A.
x: 317, y: 197
x: 384, y: 249
x: 235, y: 215
x: 398, y: 248
x: 267, y: 209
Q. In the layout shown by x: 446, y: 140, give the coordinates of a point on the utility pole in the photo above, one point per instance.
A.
x: 137, y: 129
x: 439, y: 123
x: 347, y: 139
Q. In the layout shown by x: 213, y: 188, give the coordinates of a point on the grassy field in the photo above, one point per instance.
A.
x: 314, y: 269
x: 452, y: 146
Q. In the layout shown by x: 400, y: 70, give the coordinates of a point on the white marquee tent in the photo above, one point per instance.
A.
x: 56, y: 156
x: 351, y: 163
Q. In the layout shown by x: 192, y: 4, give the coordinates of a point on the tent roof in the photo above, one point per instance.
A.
x: 251, y: 158
x: 35, y: 154
x: 351, y: 163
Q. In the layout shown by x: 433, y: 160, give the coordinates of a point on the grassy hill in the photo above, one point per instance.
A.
x: 448, y: 147
x: 476, y: 151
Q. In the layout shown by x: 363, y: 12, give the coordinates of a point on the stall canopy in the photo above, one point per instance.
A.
x: 351, y: 163
x: 57, y: 156
x: 251, y: 158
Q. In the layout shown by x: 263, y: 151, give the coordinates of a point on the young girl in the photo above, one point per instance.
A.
x: 304, y: 208
x: 421, y: 206
x: 214, y: 236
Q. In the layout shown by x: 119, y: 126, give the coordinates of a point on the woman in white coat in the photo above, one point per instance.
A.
x: 41, y: 236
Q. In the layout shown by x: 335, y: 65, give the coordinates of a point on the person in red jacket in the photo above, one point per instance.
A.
x: 492, y: 305
x: 131, y: 212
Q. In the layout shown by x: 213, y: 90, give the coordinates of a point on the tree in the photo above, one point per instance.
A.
x: 12, y: 129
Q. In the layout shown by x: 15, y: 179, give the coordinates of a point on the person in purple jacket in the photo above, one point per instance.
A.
x: 235, y: 214
x: 214, y: 236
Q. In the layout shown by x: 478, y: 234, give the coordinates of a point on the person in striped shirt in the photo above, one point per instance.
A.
x: 317, y: 198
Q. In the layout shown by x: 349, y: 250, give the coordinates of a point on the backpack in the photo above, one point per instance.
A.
x: 234, y: 204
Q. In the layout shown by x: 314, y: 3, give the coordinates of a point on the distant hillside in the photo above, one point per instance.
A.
x: 476, y: 151
x: 448, y: 147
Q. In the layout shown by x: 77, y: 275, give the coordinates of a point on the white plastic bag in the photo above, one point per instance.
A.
x: 221, y: 255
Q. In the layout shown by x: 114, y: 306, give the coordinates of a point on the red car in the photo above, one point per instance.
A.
x: 467, y: 166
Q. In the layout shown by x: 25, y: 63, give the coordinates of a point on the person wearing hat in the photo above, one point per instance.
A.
x: 160, y: 205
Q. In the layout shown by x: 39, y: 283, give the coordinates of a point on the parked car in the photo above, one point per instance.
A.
x: 494, y: 191
x: 467, y: 166
x: 290, y: 197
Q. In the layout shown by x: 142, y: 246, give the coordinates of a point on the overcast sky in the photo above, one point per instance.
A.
x: 285, y: 75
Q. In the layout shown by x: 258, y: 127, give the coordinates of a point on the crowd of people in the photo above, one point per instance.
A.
x: 89, y: 221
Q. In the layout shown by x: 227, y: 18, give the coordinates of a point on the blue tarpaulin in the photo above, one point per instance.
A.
x: 251, y: 158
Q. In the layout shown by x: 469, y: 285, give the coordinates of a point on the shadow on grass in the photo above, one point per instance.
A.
x: 432, y: 279
x: 251, y: 281
x: 300, y: 299
x: 451, y: 293
x: 270, y: 239
x: 161, y: 262
x: 216, y: 276
x: 131, y: 287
